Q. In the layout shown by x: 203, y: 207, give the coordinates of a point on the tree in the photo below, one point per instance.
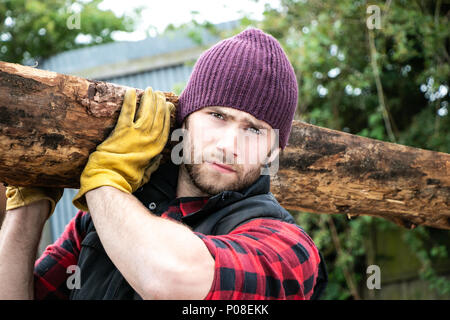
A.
x: 32, y: 30
x: 338, y: 60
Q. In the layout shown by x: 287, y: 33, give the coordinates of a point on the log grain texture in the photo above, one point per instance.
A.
x: 50, y: 123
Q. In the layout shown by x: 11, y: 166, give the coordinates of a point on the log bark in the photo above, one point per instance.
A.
x: 328, y: 171
x: 50, y: 123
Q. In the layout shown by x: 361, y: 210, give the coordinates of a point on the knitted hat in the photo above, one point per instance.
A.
x: 249, y: 72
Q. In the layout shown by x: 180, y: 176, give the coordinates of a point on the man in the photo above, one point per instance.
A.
x: 208, y: 228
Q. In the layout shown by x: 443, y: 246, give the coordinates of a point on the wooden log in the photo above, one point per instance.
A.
x: 50, y: 123
x: 328, y: 171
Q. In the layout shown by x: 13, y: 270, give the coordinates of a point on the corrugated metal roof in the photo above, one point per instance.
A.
x: 163, y: 79
x: 70, y: 62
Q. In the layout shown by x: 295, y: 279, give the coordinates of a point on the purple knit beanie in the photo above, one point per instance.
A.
x: 249, y: 72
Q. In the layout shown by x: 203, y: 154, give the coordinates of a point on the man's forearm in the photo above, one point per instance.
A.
x: 160, y: 258
x: 19, y: 240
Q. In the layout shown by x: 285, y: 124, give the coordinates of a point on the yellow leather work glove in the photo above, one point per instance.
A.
x: 22, y: 196
x: 127, y: 158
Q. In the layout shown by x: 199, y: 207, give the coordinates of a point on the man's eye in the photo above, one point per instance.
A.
x: 217, y: 115
x: 254, y: 130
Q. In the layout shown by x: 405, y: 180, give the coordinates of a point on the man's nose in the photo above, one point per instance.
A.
x: 228, y: 145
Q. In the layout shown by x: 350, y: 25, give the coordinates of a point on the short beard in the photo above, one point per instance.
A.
x: 198, y: 180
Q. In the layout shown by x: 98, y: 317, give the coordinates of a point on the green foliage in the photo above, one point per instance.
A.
x: 328, y: 45
x: 32, y: 29
x: 430, y: 248
x: 194, y: 29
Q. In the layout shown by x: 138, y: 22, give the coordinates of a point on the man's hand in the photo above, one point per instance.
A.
x: 127, y: 158
x: 24, y: 196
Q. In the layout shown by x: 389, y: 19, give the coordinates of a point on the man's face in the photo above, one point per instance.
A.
x: 226, y: 148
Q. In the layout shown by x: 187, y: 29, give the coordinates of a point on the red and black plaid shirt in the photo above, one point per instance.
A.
x: 261, y: 259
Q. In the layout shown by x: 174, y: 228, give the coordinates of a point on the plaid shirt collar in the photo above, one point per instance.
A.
x: 165, y: 180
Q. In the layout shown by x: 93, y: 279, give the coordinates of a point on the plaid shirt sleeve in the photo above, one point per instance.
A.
x: 50, y: 270
x: 263, y: 259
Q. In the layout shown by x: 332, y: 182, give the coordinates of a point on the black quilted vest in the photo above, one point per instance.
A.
x: 223, y: 212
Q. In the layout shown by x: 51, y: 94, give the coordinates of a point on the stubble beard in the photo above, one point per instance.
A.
x: 212, y: 184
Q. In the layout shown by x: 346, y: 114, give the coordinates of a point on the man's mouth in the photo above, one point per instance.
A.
x: 222, y: 167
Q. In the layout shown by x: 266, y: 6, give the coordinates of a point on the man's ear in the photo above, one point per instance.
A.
x: 273, y: 154
x: 270, y: 166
